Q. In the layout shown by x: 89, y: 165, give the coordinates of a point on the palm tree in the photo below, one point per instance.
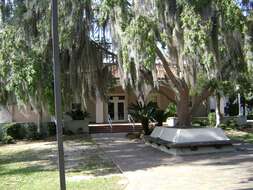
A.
x: 143, y: 113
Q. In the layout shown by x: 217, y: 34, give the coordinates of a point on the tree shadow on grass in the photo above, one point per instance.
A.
x: 27, y: 170
x: 26, y: 156
x: 27, y: 162
x: 81, y: 156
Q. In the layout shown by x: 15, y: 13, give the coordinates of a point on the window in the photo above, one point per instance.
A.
x: 121, y: 97
x: 111, y: 110
x: 121, y: 111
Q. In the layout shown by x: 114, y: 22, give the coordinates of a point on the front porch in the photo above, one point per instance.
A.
x: 114, y: 127
x: 116, y: 108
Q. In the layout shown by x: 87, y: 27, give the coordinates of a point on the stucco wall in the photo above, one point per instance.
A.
x: 131, y: 98
x: 163, y: 102
x: 91, y: 108
x: 202, y: 111
x: 5, y: 115
x: 14, y: 113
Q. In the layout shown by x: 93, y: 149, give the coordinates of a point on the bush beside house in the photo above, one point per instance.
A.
x: 29, y: 131
x: 76, y: 124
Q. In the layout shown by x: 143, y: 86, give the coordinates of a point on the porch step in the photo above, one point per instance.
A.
x: 116, y: 128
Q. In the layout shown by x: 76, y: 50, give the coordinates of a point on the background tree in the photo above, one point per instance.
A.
x: 193, y: 40
x: 245, y: 81
x: 26, y: 60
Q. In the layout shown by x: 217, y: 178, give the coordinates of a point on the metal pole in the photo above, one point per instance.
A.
x: 57, y: 93
x: 239, y: 105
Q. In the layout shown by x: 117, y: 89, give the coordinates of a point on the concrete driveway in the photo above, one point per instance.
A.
x: 149, y: 169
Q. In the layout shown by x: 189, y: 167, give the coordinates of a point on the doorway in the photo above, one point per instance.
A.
x: 116, y: 108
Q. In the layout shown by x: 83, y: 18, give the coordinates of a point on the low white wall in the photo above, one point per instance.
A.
x: 240, y: 120
x: 171, y: 121
x: 76, y: 126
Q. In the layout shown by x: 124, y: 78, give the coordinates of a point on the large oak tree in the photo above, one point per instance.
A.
x: 196, y: 41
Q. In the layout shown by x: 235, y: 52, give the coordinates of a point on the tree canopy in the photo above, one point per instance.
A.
x: 25, y: 53
x: 198, y: 42
x: 203, y: 45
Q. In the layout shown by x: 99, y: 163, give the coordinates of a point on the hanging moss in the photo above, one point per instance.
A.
x: 26, y: 58
x: 201, y: 42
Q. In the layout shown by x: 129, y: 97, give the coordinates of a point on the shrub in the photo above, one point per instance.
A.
x: 211, y: 119
x: 4, y: 138
x: 31, y: 130
x: 171, y: 110
x: 250, y: 117
x: 80, y: 131
x: 68, y: 132
x: 21, y: 130
x: 2, y: 132
x: 26, y: 131
x: 197, y: 124
x: 50, y: 128
x: 15, y: 130
x: 160, y: 116
x: 143, y: 113
x: 7, y: 139
x: 231, y: 124
x: 200, y: 122
x: 233, y: 109
x: 78, y: 114
x: 223, y: 126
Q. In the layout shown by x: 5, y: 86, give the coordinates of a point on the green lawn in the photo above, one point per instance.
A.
x: 33, y: 165
x: 239, y: 135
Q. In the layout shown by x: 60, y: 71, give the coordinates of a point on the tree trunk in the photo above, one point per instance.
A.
x: 217, y: 111
x: 145, y: 125
x: 183, y: 111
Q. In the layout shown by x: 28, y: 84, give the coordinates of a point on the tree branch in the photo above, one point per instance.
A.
x: 170, y: 96
x: 168, y: 70
x: 208, y: 91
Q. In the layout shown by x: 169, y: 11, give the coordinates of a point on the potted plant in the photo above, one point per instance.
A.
x: 77, y: 123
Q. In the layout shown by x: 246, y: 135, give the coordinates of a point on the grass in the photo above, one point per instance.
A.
x: 240, y: 135
x: 33, y: 165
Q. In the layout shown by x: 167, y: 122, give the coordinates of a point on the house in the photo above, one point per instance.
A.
x: 115, y: 108
x: 119, y: 101
x: 22, y: 114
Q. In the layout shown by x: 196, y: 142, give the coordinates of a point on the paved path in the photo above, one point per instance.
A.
x: 149, y: 169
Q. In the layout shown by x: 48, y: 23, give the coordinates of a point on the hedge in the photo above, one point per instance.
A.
x: 18, y: 131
